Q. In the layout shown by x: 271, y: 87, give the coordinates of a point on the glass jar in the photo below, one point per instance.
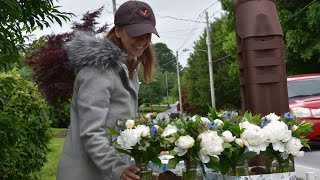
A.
x: 239, y: 169
x: 145, y: 172
x: 192, y: 171
x: 285, y: 165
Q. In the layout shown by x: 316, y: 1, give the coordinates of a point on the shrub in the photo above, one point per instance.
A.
x: 24, y: 127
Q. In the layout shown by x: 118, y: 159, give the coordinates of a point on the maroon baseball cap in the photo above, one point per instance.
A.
x: 137, y: 18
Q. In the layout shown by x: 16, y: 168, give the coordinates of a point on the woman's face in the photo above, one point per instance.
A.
x: 134, y: 46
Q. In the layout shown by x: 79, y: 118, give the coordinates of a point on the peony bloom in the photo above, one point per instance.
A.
x: 211, y: 145
x: 276, y: 132
x: 144, y: 130
x: 240, y: 142
x: 129, y: 138
x: 129, y: 124
x: 272, y: 117
x: 227, y: 136
x: 183, y: 143
x: 253, y: 137
x: 293, y: 147
x: 169, y: 130
x: 203, y: 119
x: 219, y: 123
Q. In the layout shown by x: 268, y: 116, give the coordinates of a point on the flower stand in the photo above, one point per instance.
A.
x: 282, y: 176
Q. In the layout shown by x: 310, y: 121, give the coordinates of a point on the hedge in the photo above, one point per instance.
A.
x: 24, y: 127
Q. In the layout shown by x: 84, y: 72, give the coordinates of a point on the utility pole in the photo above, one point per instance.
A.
x: 213, y: 101
x: 114, y: 6
x: 179, y: 87
x: 167, y: 88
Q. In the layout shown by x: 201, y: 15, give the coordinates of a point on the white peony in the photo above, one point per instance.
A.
x: 253, y: 137
x: 144, y: 130
x: 169, y: 130
x: 129, y: 138
x: 205, y: 120
x: 211, y: 145
x: 240, y: 142
x: 129, y: 124
x: 183, y: 143
x: 293, y: 146
x: 277, y: 132
x: 227, y: 136
x: 272, y: 117
x: 219, y: 123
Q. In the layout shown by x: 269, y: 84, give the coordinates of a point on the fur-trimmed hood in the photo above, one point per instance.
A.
x: 85, y: 49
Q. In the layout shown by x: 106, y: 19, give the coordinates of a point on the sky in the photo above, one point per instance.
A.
x: 179, y: 22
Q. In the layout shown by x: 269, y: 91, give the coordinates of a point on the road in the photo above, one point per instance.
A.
x: 310, y: 162
x: 173, y: 109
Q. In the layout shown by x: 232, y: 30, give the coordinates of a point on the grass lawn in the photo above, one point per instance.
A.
x: 49, y: 170
x: 144, y: 110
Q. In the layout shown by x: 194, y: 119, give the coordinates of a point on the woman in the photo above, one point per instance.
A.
x: 105, y: 90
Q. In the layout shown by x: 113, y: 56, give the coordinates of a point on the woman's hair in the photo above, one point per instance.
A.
x: 147, y: 59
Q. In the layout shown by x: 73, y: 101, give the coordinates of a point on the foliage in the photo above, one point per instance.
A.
x: 49, y: 170
x: 225, y: 71
x: 165, y: 58
x: 300, y: 24
x: 18, y: 18
x: 24, y: 127
x: 154, y: 92
x: 52, y: 71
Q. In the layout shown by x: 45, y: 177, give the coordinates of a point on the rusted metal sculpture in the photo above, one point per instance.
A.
x: 261, y: 55
x: 263, y: 79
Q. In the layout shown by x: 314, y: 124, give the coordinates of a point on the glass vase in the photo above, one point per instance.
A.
x: 239, y: 169
x: 145, y: 172
x: 285, y: 165
x: 192, y: 171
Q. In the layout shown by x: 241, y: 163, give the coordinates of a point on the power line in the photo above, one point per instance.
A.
x: 179, y: 19
x: 196, y: 25
x: 175, y: 31
x: 299, y: 11
x: 221, y: 58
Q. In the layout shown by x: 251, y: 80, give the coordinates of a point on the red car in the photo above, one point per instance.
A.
x: 304, y: 100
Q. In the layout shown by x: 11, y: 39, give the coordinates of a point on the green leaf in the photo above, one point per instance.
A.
x: 110, y: 131
x: 173, y: 162
x: 123, y: 151
x: 248, y: 155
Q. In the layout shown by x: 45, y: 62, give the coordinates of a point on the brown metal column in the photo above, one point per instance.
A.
x: 263, y: 79
x: 260, y: 45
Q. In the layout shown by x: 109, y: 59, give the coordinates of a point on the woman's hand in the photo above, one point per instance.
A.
x: 129, y: 173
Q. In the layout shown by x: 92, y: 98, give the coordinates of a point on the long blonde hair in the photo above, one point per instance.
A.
x: 147, y: 59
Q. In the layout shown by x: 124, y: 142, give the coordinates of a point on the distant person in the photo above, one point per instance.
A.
x: 106, y: 90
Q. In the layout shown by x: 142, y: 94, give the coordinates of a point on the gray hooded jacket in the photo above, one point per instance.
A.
x: 102, y: 94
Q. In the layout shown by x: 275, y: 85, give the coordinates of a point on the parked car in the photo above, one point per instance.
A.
x: 304, y: 99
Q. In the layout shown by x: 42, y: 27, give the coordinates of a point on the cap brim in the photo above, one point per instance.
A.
x: 135, y: 30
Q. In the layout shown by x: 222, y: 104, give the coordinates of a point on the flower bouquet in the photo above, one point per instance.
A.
x: 192, y: 140
x: 138, y: 138
x: 248, y: 135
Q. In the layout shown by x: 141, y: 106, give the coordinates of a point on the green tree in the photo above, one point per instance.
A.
x: 225, y: 70
x: 18, y: 19
x: 153, y: 93
x: 165, y: 57
x: 300, y: 22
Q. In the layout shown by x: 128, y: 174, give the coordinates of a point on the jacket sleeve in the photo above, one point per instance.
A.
x: 94, y: 91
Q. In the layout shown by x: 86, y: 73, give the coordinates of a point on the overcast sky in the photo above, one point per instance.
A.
x: 177, y: 34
